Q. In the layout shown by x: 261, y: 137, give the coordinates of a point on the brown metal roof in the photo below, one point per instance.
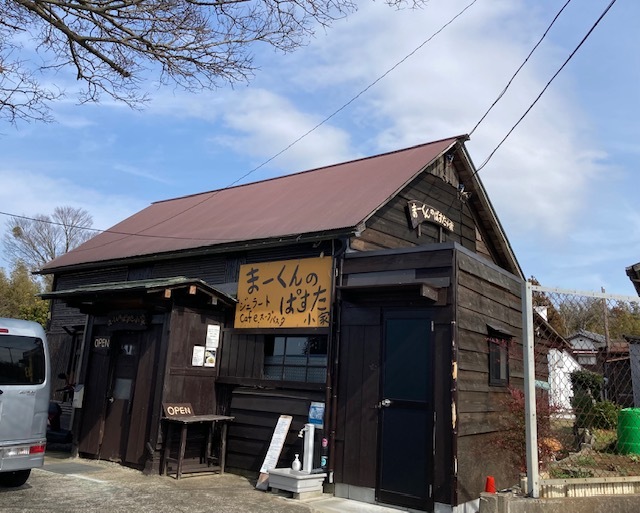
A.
x: 328, y: 199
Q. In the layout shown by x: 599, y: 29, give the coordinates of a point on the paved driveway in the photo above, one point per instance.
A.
x: 66, y: 485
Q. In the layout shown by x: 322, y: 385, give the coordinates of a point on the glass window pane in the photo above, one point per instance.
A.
x: 279, y: 345
x: 21, y: 360
x: 122, y: 388
x: 297, y: 345
x: 302, y: 359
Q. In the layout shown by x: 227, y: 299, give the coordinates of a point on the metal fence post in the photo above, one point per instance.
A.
x: 531, y: 428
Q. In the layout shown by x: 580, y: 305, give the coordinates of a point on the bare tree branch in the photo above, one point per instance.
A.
x: 113, y: 44
x: 36, y: 241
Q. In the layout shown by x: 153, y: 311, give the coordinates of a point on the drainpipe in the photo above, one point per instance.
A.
x: 333, y: 356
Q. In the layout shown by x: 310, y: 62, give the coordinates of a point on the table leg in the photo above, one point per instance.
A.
x: 207, y: 454
x: 223, y: 446
x: 183, y: 445
x: 167, y: 449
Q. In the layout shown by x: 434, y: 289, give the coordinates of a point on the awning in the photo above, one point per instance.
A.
x: 165, y: 286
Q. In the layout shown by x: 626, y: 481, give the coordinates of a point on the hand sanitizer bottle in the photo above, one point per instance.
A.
x: 296, y: 465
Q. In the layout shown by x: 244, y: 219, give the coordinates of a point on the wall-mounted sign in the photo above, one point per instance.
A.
x: 420, y: 212
x: 127, y: 320
x: 284, y: 294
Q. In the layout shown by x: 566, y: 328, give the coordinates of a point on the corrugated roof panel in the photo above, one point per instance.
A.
x: 325, y: 199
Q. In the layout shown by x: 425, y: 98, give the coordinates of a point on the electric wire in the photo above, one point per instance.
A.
x: 493, y: 152
x: 519, y: 68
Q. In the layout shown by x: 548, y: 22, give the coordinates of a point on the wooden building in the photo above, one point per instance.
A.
x: 383, y: 288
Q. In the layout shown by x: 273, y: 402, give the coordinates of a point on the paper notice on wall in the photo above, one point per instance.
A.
x: 197, y: 358
x: 210, y: 358
x: 213, y: 336
x: 316, y: 414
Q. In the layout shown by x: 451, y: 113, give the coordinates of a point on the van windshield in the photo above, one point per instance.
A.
x: 21, y: 360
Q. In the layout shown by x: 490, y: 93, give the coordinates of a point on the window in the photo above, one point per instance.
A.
x: 296, y: 358
x: 22, y: 360
x: 499, y: 361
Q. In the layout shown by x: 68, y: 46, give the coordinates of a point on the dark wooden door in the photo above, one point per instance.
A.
x: 124, y: 363
x: 95, y: 386
x: 405, y: 455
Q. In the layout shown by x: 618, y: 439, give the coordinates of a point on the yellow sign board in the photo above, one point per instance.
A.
x: 285, y: 294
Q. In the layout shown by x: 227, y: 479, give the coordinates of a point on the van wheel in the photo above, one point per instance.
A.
x: 15, y: 478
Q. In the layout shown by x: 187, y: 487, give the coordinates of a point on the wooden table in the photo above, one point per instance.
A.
x: 184, y: 422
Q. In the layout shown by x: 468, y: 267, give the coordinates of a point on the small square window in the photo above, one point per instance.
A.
x: 498, y: 361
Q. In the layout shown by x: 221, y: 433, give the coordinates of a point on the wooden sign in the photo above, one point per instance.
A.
x: 177, y: 409
x: 420, y: 212
x: 273, y: 453
x: 127, y: 320
x: 285, y: 294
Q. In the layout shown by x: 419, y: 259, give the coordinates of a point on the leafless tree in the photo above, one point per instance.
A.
x: 36, y: 241
x: 112, y: 45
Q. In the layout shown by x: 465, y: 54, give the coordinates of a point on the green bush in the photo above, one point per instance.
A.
x: 587, y: 382
x: 605, y: 415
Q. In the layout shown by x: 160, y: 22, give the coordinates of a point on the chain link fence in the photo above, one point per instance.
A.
x: 586, y: 377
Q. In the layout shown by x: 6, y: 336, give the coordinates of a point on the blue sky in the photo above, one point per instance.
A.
x: 563, y: 184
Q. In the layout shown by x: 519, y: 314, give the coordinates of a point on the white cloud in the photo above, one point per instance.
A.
x: 264, y: 123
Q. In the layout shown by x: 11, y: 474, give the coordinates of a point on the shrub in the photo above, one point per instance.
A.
x: 513, y: 438
x: 587, y: 382
x: 605, y: 415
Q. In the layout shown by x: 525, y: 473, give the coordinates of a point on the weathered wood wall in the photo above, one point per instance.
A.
x: 390, y: 226
x: 183, y: 382
x: 256, y: 413
x: 486, y: 295
x: 360, y: 358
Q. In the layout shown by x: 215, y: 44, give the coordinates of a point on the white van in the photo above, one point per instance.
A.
x: 24, y: 399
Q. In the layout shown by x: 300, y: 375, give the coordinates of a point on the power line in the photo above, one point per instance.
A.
x: 545, y: 87
x: 97, y: 230
x: 521, y: 66
x: 213, y: 193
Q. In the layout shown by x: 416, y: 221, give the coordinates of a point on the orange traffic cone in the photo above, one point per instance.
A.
x: 490, y: 486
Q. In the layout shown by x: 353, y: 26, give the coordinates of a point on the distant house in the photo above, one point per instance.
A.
x: 586, y: 346
x: 554, y: 364
x: 383, y: 289
x: 610, y: 359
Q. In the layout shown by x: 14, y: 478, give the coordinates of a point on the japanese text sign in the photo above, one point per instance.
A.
x: 284, y: 294
x: 419, y: 212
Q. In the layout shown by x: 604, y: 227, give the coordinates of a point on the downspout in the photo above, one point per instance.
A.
x: 334, y: 345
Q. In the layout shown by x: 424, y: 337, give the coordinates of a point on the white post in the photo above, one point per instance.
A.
x: 307, y: 457
x: 531, y: 426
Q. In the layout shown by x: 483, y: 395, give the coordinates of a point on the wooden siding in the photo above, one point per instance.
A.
x: 256, y: 413
x: 356, y: 442
x: 486, y: 295
x: 358, y: 392
x: 390, y: 226
x: 183, y: 382
x: 210, y: 268
x: 242, y: 355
